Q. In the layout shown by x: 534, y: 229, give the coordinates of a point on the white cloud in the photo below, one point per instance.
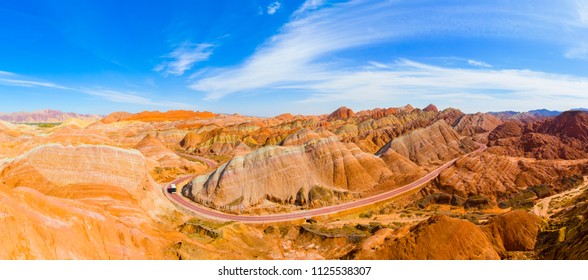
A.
x: 478, y: 63
x: 582, y: 8
x: 579, y: 52
x: 273, y: 7
x: 379, y: 65
x: 184, y: 57
x: 29, y: 83
x: 108, y: 94
x: 130, y: 98
x: 480, y: 88
x: 4, y: 73
x: 309, y: 5
x: 296, y: 59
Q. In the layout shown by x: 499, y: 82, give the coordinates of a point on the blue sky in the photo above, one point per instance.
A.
x: 264, y: 57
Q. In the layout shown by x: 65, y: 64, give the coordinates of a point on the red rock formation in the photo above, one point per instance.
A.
x: 570, y: 124
x: 431, y: 108
x: 562, y: 137
x: 342, y: 113
x: 475, y: 124
x: 513, y: 231
x: 441, y: 238
x: 115, y: 117
x: 156, y: 116
x: 502, y: 177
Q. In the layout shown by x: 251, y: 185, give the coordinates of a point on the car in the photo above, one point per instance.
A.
x: 172, y: 188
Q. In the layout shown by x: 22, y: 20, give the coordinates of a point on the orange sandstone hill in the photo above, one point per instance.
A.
x: 310, y: 166
x: 156, y: 116
x: 433, y: 144
x: 315, y: 172
x: 84, y: 202
x: 342, y: 113
x: 441, y: 238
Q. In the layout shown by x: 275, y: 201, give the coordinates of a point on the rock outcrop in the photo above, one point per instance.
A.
x: 156, y: 116
x: 342, y: 113
x: 289, y: 174
x: 53, y: 168
x: 82, y: 202
x: 494, y: 178
x: 430, y: 145
x: 472, y: 124
x: 441, y: 238
x: 562, y: 137
x: 513, y: 231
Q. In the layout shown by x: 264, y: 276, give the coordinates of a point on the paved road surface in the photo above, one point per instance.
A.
x: 217, y: 215
x: 211, y: 163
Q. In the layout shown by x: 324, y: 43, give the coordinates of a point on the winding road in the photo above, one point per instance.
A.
x: 211, y: 163
x: 217, y: 215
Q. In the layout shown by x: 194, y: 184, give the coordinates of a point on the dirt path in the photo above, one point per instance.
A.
x: 556, y: 203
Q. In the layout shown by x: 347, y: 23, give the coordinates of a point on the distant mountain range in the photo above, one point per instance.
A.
x: 45, y: 116
x: 532, y: 113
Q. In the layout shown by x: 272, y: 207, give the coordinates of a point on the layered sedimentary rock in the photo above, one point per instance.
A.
x: 493, y: 178
x: 165, y: 160
x: 342, y: 113
x: 440, y: 238
x: 472, y: 124
x: 156, y: 116
x: 37, y: 226
x: 53, y: 167
x: 431, y: 108
x: 562, y: 137
x: 433, y: 144
x: 289, y: 174
x: 82, y: 202
x: 513, y: 231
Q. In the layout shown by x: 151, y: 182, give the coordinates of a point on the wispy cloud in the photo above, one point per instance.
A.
x: 184, y: 57
x: 295, y: 57
x: 408, y: 80
x: 27, y: 83
x: 582, y: 8
x: 309, y: 5
x: 273, y: 7
x: 578, y: 52
x: 4, y: 73
x: 12, y: 79
x: 379, y: 65
x: 130, y: 98
x: 478, y: 63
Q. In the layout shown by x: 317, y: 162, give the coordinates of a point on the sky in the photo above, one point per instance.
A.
x: 267, y: 57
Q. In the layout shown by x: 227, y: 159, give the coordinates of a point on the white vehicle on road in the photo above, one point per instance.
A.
x: 172, y: 188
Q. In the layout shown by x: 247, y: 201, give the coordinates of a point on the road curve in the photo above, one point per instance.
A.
x: 217, y: 215
x: 211, y: 163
